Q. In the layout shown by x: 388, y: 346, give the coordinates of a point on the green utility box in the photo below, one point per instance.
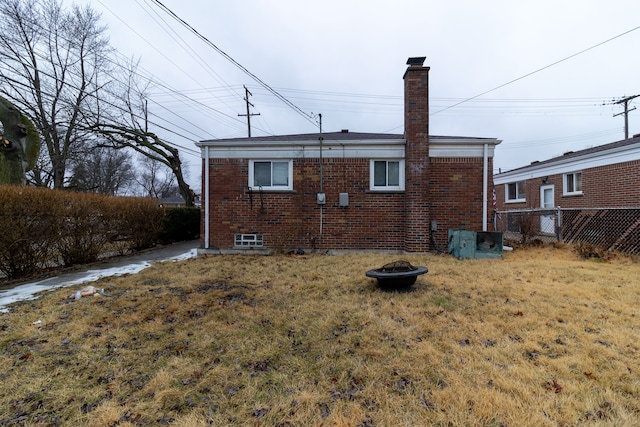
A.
x: 475, y: 244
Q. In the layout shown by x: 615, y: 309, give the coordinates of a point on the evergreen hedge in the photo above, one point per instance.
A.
x: 180, y: 224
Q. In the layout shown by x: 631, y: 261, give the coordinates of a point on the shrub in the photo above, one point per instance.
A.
x: 589, y: 250
x: 180, y: 224
x: 43, y: 228
x: 84, y: 228
x: 138, y: 221
x: 527, y: 227
x: 27, y: 230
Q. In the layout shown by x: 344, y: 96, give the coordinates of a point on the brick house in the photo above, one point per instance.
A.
x: 347, y: 190
x: 605, y: 176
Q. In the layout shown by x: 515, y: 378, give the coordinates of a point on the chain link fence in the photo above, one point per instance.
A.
x: 611, y: 229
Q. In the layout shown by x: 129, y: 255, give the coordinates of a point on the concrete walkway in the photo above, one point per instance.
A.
x: 117, y: 266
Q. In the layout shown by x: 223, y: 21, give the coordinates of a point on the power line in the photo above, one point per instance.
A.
x: 558, y: 140
x: 94, y: 96
x: 238, y: 65
x: 538, y: 70
x: 155, y: 80
x: 187, y: 47
x: 91, y: 95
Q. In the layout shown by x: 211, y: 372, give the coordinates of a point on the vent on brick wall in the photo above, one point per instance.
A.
x: 248, y: 241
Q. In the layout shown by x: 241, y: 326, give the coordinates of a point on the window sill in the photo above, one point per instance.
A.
x: 384, y: 191
x: 516, y: 201
x: 573, y: 194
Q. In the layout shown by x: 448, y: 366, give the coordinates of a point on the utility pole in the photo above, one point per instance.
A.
x: 626, y: 111
x: 249, y: 114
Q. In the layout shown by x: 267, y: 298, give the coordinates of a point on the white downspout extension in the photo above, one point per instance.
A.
x: 485, y: 185
x: 206, y: 197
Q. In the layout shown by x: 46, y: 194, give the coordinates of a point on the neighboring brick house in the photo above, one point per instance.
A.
x: 599, y: 177
x: 347, y: 190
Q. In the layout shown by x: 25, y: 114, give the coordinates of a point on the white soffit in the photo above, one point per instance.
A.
x: 366, y: 149
x: 457, y: 148
x: 572, y: 164
x: 306, y: 149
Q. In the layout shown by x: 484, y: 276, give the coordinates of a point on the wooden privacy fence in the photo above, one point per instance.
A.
x: 612, y: 229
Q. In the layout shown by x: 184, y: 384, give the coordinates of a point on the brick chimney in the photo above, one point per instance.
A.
x: 416, y: 133
x: 416, y: 102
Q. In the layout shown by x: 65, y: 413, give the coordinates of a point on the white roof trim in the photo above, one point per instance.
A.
x: 367, y: 149
x: 572, y: 164
x: 456, y: 148
x: 305, y: 149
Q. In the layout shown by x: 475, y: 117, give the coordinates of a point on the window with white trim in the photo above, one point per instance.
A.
x: 271, y: 175
x: 515, y: 191
x: 572, y: 183
x: 386, y: 175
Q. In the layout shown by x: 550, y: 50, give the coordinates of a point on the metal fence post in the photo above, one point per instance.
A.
x: 559, y: 230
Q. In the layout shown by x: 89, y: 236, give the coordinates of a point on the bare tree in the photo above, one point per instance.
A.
x: 150, y: 145
x: 102, y: 170
x: 130, y: 130
x: 41, y: 175
x: 50, y: 60
x: 155, y: 179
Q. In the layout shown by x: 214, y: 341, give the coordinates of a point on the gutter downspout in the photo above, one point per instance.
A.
x: 485, y: 185
x: 321, y: 174
x: 206, y: 197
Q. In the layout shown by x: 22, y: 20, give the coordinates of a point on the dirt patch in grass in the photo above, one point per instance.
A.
x: 539, y: 338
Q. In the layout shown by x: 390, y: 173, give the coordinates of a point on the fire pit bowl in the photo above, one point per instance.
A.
x: 397, y: 274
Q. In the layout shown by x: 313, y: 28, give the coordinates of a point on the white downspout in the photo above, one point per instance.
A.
x: 321, y: 175
x: 485, y: 185
x: 206, y: 197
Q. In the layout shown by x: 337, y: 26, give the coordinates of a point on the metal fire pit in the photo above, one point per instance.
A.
x: 397, y: 274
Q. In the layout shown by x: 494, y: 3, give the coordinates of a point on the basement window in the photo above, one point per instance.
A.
x: 272, y: 175
x: 247, y: 241
x: 516, y: 191
x: 386, y: 175
x: 572, y: 184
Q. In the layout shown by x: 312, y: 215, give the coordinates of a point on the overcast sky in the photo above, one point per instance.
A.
x: 345, y: 59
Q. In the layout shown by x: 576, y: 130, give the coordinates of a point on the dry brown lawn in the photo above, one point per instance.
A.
x: 539, y: 338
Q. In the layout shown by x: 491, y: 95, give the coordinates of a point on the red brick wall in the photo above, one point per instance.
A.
x: 532, y: 191
x: 372, y: 221
x: 605, y: 186
x: 291, y: 220
x: 457, y: 195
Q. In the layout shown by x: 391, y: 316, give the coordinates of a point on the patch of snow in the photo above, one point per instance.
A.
x: 29, y: 291
x: 191, y: 254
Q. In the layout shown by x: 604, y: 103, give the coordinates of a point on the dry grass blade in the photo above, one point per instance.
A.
x: 540, y: 338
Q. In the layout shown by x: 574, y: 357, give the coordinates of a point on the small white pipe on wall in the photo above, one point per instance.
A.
x: 206, y: 197
x: 485, y: 185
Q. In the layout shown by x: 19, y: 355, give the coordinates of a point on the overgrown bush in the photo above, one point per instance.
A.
x: 527, y: 227
x: 589, y: 250
x: 180, y: 224
x: 142, y: 222
x: 28, y: 230
x: 41, y: 228
x: 84, y: 228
